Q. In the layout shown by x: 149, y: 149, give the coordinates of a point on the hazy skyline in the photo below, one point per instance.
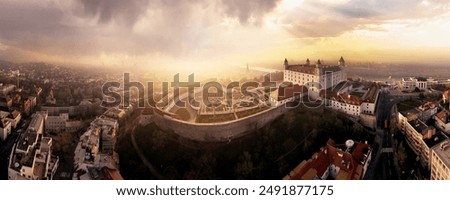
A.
x: 201, y: 33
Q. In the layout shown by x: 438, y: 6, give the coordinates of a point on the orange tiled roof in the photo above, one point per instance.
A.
x: 307, y: 69
x: 371, y: 95
x: 286, y: 92
x: 344, y: 98
x: 443, y: 116
x: 349, y: 162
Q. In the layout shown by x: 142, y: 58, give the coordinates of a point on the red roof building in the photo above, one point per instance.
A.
x: 348, y: 161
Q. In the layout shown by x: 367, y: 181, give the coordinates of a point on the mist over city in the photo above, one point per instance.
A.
x: 224, y: 90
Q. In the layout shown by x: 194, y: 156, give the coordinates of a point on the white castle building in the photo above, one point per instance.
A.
x: 315, y: 76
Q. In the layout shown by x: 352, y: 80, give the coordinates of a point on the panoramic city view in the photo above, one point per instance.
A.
x: 225, y: 90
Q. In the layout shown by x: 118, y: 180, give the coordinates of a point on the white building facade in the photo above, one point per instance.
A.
x: 315, y: 76
x: 369, y: 100
x: 32, y: 158
x: 411, y: 83
x: 440, y: 161
x: 5, y: 129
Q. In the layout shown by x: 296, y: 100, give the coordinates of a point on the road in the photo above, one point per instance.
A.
x: 382, y: 165
x: 6, y: 148
x: 144, y: 160
x: 129, y: 128
x: 5, y: 151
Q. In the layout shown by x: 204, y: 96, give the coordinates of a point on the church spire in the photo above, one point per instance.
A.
x: 341, y: 62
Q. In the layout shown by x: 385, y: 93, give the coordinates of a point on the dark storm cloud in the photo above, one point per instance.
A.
x: 378, y: 8
x: 244, y: 10
x: 126, y: 12
x: 75, y: 28
x: 314, y: 19
x: 130, y: 11
x: 355, y: 12
x: 87, y: 27
x: 34, y: 28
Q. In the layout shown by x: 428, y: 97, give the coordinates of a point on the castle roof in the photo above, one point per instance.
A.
x: 344, y: 98
x: 288, y: 91
x: 371, y: 95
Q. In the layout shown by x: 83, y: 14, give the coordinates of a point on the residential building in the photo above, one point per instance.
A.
x: 442, y: 120
x: 4, y: 114
x: 424, y: 112
x: 108, y: 139
x: 32, y: 158
x: 427, y: 111
x: 84, y: 109
x: 37, y: 122
x: 27, y: 106
x: 95, y: 151
x: 440, y: 161
x: 90, y: 107
x: 411, y: 83
x: 115, y: 113
x: 57, y: 123
x: 431, y: 81
x: 6, y: 89
x: 419, y: 136
x: 347, y: 161
x: 96, y: 173
x: 56, y: 110
x: 38, y: 91
x: 14, y: 117
x: 5, y: 129
x: 445, y: 96
x: 6, y: 102
x: 62, y: 123
x: 33, y: 102
x: 73, y: 126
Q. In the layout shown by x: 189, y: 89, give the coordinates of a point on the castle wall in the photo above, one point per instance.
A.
x: 218, y: 132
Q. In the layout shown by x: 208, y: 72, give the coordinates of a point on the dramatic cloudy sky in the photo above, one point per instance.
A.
x: 205, y: 33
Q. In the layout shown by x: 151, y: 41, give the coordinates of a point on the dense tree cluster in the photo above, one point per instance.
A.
x: 268, y: 153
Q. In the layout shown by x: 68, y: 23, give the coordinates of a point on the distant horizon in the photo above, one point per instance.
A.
x: 272, y: 65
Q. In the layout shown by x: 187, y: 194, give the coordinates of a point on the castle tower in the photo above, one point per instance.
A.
x: 318, y: 64
x: 341, y: 62
x: 318, y: 67
x: 307, y: 62
x: 286, y: 64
